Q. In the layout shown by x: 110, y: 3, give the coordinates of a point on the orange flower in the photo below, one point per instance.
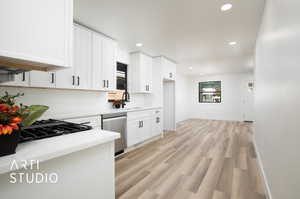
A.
x: 14, y: 126
x: 16, y: 120
x: 7, y: 130
x: 1, y: 127
x: 4, y: 108
x: 14, y: 109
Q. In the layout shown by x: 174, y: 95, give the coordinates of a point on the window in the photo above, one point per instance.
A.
x: 210, y: 92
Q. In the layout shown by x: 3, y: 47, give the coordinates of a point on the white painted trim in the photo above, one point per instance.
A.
x: 261, y: 167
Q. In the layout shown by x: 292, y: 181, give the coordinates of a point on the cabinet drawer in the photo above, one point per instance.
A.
x: 138, y: 115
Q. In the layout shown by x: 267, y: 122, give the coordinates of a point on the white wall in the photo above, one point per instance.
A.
x: 234, y: 97
x: 72, y: 103
x: 182, y: 92
x: 277, y: 97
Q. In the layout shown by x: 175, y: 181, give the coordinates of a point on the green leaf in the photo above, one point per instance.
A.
x: 34, y: 113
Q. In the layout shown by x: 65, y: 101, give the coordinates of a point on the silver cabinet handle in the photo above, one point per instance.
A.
x: 104, y: 84
x: 157, y: 120
x: 73, y: 80
x: 107, y: 83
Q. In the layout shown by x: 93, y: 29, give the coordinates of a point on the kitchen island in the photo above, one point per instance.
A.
x: 79, y: 165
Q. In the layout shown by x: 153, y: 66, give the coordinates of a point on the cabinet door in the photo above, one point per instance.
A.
x: 82, y: 57
x: 172, y: 71
x: 37, y: 31
x: 109, y: 63
x: 98, y: 75
x: 65, y: 78
x: 21, y: 79
x: 133, y: 129
x: 148, y: 74
x: 42, y: 79
x: 156, y: 125
x: 144, y: 63
x: 169, y: 69
x: 146, y: 129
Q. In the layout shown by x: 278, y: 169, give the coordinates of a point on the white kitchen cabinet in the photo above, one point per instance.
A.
x: 141, y: 73
x: 21, y: 79
x: 98, y: 75
x: 138, y: 130
x: 104, y: 63
x: 35, y: 32
x: 66, y: 78
x: 110, y: 63
x: 42, y: 79
x: 169, y: 69
x: 157, y: 121
x: 82, y: 57
x: 143, y: 125
x: 133, y: 132
x: 78, y: 77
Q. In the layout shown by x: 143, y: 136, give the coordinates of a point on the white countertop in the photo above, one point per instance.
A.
x: 46, y: 149
x: 126, y: 110
x: 103, y: 112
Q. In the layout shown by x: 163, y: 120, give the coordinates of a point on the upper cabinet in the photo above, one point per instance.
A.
x: 169, y: 69
x: 42, y: 79
x: 104, y: 63
x: 141, y: 73
x: 79, y: 76
x: 21, y: 79
x: 36, y: 33
x: 82, y: 61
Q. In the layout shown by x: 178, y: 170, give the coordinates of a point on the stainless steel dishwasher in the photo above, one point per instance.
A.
x: 116, y: 122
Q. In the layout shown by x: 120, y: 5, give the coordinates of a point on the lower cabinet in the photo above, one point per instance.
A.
x: 157, y: 122
x: 143, y: 125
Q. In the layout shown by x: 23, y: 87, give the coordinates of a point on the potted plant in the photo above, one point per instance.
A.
x: 12, y: 118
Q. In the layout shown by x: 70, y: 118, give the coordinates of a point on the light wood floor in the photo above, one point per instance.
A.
x: 203, y: 159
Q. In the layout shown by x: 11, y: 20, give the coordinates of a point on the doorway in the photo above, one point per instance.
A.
x: 169, y: 106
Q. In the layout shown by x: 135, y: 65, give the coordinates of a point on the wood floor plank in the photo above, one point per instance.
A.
x: 202, y: 159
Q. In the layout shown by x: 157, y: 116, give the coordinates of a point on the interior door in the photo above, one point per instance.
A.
x: 248, y: 105
x: 169, y: 106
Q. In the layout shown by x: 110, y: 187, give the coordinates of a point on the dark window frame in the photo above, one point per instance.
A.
x: 199, y: 93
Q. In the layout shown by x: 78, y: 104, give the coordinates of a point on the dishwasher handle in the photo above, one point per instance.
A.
x: 114, y: 118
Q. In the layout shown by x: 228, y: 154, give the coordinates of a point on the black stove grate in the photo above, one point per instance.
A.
x: 50, y: 128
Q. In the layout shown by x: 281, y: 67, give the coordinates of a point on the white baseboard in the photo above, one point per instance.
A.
x: 261, y: 167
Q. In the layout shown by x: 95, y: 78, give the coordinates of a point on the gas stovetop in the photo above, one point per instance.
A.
x: 50, y: 128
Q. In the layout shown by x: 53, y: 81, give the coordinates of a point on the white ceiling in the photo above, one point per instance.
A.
x: 195, y: 33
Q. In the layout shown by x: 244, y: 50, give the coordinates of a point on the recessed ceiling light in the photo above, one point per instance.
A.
x: 139, y: 45
x: 226, y: 7
x: 232, y: 43
x: 191, y: 68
